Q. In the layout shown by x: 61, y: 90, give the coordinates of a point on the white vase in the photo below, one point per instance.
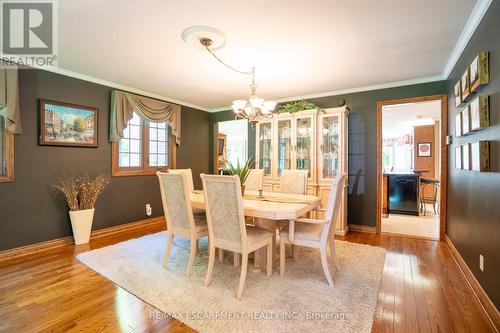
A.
x: 81, y: 223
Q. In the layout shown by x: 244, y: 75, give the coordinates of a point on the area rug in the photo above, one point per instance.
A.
x: 300, y: 301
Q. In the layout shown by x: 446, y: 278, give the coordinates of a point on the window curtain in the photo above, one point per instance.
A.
x: 9, y: 98
x: 123, y: 106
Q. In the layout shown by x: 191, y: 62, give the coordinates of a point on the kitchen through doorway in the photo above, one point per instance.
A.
x: 411, y: 136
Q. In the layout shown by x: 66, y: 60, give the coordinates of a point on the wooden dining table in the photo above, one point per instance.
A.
x: 268, y: 209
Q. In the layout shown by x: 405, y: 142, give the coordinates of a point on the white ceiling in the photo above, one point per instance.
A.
x: 399, y: 120
x: 299, y: 47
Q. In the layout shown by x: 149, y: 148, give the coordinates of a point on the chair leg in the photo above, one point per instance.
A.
x: 192, y: 255
x: 324, y: 262
x: 274, y: 243
x: 168, y: 248
x: 243, y: 276
x: 221, y: 255
x: 270, y: 251
x: 282, y: 257
x: 236, y: 259
x: 295, y: 252
x: 334, y: 254
x: 211, y: 262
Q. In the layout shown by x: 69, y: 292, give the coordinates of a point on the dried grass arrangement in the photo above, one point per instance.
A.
x: 81, y: 192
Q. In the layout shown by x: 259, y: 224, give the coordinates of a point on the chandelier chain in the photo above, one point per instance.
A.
x: 252, y: 72
x: 255, y: 109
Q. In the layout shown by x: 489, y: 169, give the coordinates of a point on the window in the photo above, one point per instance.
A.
x: 397, y: 157
x: 144, y: 149
x: 6, y: 153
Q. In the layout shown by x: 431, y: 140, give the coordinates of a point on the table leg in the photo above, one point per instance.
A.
x: 260, y: 254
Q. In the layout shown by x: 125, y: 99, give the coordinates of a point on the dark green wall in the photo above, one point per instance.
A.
x: 30, y: 212
x: 474, y: 197
x: 362, y: 142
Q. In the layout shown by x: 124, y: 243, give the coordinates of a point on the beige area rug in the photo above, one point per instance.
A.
x: 300, y: 301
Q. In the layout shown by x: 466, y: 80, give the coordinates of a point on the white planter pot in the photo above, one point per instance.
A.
x: 81, y: 223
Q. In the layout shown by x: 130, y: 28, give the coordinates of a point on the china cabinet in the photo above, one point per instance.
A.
x: 308, y: 140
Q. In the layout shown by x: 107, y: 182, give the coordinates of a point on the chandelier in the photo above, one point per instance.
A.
x: 254, y: 109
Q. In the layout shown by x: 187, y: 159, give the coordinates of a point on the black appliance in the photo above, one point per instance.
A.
x: 403, y: 193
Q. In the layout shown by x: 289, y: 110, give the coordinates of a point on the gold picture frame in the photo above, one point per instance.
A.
x: 479, y: 113
x: 466, y: 156
x: 458, y: 157
x: 458, y: 94
x: 480, y: 156
x: 67, y: 124
x: 465, y: 84
x: 479, y: 72
x: 465, y: 121
x: 458, y: 125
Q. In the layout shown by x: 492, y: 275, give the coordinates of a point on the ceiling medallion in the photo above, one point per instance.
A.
x: 254, y: 109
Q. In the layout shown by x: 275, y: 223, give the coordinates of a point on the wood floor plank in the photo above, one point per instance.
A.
x: 422, y: 290
x: 399, y: 288
x: 411, y: 319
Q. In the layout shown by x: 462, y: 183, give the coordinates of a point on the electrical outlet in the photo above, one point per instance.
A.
x: 149, y: 211
x: 481, y: 263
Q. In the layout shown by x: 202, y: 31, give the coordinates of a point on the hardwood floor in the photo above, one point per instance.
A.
x: 422, y: 290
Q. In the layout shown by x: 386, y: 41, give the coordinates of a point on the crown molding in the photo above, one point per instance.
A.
x: 470, y: 27
x: 111, y: 84
x: 351, y: 90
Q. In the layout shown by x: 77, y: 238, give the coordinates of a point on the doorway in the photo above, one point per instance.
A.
x: 412, y: 167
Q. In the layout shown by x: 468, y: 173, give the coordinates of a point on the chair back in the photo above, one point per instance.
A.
x: 294, y: 181
x: 224, y: 209
x: 188, y: 174
x: 176, y: 203
x: 255, y: 180
x: 333, y: 206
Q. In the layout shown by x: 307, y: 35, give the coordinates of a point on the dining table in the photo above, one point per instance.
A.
x: 266, y: 209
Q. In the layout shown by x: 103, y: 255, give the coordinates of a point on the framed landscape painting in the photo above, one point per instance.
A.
x: 64, y: 124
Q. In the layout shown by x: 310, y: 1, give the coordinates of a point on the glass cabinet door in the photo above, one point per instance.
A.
x: 284, y: 145
x: 265, y: 140
x: 330, y: 146
x: 303, y: 144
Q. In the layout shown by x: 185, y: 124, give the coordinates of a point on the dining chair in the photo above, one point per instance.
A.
x: 226, y: 225
x: 189, y: 175
x: 174, y: 188
x: 316, y: 233
x: 255, y: 180
x: 294, y: 181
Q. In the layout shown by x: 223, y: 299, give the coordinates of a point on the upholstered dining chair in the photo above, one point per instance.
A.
x: 226, y: 225
x: 255, y: 180
x: 174, y: 188
x: 189, y: 175
x: 294, y: 181
x: 316, y: 233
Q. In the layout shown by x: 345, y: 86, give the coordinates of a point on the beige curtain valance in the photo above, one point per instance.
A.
x: 124, y: 104
x: 9, y: 98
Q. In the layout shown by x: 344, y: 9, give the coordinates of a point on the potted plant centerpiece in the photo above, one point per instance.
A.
x: 81, y: 194
x: 241, y: 171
